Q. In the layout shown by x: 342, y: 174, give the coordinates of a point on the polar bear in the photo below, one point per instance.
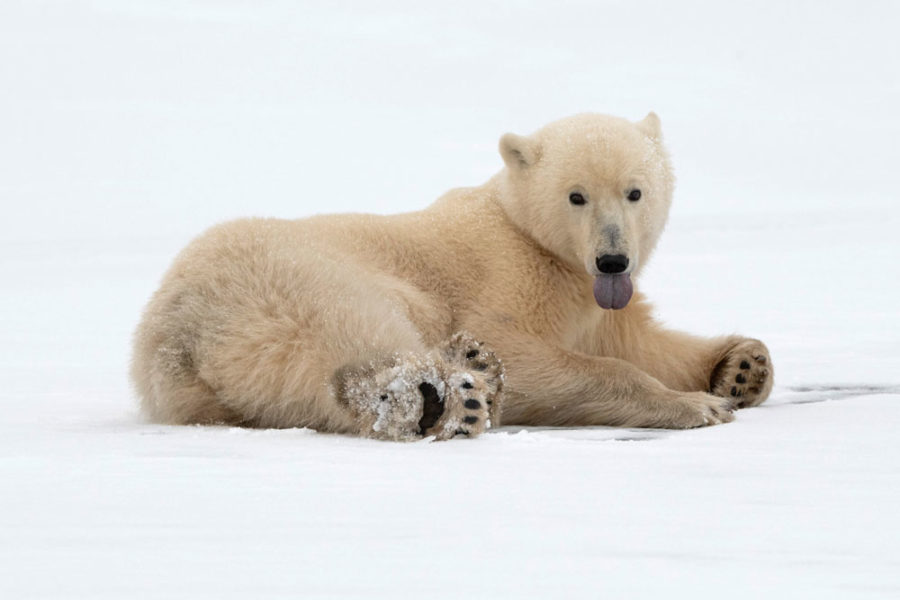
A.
x: 515, y: 300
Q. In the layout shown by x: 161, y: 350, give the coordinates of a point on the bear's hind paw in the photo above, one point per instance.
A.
x: 422, y: 396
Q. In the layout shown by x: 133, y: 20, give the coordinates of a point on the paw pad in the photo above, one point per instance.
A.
x: 464, y: 350
x: 743, y: 374
x: 432, y: 406
x: 466, y: 406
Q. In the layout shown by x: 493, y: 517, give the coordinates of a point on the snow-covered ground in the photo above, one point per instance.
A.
x: 127, y: 127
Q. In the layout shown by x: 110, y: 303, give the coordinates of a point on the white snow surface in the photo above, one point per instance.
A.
x: 126, y: 127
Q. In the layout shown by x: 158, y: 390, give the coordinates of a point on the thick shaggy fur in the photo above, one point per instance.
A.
x: 336, y: 322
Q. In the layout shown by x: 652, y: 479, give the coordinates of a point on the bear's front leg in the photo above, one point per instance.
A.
x: 732, y: 367
x: 744, y: 373
x: 548, y: 385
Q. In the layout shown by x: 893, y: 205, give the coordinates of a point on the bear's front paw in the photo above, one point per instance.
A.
x: 697, y: 409
x: 465, y: 409
x: 465, y: 351
x: 745, y: 374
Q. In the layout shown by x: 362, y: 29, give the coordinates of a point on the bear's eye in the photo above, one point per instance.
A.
x: 576, y: 199
x: 634, y: 195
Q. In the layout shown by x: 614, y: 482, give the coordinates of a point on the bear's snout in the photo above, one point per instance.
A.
x: 612, y: 263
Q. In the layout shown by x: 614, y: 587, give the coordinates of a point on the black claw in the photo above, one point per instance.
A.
x: 740, y: 393
x: 467, y: 385
x: 473, y: 404
x: 471, y: 420
x: 384, y: 397
x: 745, y: 364
x: 740, y: 378
x: 734, y: 391
x: 471, y: 354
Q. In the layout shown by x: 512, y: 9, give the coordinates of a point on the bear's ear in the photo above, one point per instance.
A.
x: 519, y: 152
x: 650, y: 125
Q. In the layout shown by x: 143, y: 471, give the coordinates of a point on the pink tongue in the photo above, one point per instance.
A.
x: 613, y: 291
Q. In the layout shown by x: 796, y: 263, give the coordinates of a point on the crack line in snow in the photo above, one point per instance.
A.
x: 823, y: 392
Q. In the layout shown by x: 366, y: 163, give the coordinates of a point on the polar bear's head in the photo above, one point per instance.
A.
x: 595, y: 191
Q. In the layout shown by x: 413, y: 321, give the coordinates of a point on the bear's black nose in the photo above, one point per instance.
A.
x: 612, y: 263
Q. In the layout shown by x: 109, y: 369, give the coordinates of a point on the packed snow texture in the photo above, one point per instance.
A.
x: 126, y: 127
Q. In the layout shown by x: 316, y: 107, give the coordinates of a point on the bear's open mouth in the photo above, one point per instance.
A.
x: 613, y: 291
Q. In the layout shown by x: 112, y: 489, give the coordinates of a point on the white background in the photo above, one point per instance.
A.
x: 127, y: 127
